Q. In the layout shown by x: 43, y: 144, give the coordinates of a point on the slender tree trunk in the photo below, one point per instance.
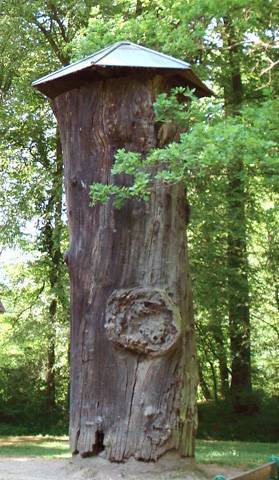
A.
x: 133, y: 359
x: 52, y: 235
x: 50, y: 376
x: 221, y: 354
x: 204, y: 387
x: 2, y: 308
x: 239, y: 315
x: 224, y: 374
x: 239, y: 318
x: 214, y: 380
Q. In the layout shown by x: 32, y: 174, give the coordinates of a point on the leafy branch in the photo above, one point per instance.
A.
x: 210, y: 142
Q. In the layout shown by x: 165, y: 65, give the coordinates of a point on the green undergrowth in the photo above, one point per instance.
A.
x: 9, y: 429
x: 217, y: 421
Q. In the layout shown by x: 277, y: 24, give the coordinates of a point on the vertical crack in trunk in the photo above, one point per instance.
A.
x: 131, y: 403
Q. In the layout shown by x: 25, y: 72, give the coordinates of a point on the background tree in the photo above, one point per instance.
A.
x: 31, y: 155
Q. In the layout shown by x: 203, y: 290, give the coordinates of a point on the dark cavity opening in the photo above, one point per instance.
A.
x: 99, y: 443
x: 98, y: 446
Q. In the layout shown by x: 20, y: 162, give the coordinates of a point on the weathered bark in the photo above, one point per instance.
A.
x: 134, y: 374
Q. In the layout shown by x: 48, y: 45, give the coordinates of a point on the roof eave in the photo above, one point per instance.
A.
x: 54, y: 87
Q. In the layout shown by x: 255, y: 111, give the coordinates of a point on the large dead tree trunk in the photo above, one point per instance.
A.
x: 134, y: 373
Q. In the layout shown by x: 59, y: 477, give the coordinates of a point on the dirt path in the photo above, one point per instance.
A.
x: 26, y: 468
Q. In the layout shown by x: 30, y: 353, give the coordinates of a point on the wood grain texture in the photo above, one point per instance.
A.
x: 133, y: 357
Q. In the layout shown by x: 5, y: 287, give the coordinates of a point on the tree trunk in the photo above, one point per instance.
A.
x: 221, y: 354
x: 51, y: 245
x: 238, y: 285
x: 2, y: 308
x: 203, y: 384
x: 239, y: 317
x: 50, y: 374
x: 133, y: 359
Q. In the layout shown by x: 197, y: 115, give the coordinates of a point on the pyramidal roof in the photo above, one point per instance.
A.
x: 120, y: 55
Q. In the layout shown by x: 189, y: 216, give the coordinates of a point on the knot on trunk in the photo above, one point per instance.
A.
x: 143, y: 320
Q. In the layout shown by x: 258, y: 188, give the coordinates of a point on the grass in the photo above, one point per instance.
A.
x: 244, y: 454
x: 35, y: 446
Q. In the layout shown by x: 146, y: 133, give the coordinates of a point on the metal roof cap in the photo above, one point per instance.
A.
x: 120, y: 55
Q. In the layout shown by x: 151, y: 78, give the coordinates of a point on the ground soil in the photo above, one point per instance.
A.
x: 170, y: 467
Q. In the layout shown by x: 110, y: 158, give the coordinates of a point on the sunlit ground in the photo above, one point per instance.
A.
x: 244, y: 454
x: 35, y: 446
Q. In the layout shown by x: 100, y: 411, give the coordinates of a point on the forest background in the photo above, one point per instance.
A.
x: 228, y: 158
